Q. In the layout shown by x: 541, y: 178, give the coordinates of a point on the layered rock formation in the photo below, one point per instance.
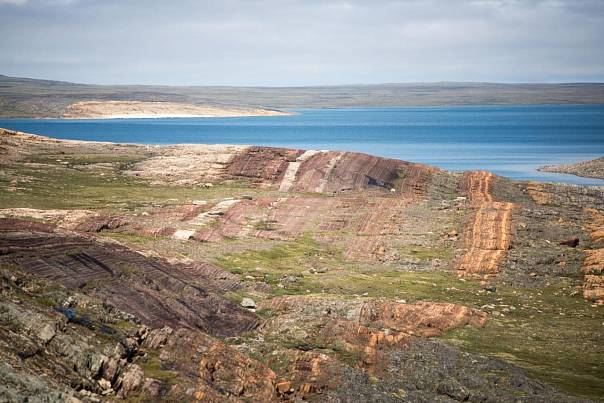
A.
x: 593, y: 265
x: 488, y: 233
x: 236, y: 273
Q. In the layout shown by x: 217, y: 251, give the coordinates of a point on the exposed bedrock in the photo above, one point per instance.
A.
x: 593, y: 265
x: 567, y: 195
x: 235, y: 273
x: 156, y: 291
x: 286, y: 169
x: 488, y: 232
x: 370, y: 328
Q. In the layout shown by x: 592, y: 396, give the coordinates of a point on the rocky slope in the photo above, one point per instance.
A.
x: 233, y: 273
x: 588, y: 169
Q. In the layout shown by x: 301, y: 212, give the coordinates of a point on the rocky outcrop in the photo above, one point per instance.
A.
x: 487, y: 234
x: 369, y: 329
x: 212, y: 370
x: 188, y: 165
x: 156, y: 291
x: 589, y: 169
x: 567, y: 195
x: 299, y: 292
x: 375, y: 229
x: 63, y: 346
x: 593, y: 265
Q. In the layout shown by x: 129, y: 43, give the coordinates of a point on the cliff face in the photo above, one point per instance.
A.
x: 232, y: 273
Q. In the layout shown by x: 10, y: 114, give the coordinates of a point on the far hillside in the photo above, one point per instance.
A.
x: 30, y: 98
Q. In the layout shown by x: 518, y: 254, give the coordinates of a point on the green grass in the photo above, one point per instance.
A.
x: 424, y: 253
x: 564, y: 350
x: 151, y: 366
x: 121, y: 160
x: 135, y: 239
x: 66, y: 188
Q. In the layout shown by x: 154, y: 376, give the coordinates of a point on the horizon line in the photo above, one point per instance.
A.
x: 442, y: 82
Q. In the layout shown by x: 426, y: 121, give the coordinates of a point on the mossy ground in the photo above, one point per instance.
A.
x: 551, y: 332
x: 59, y: 187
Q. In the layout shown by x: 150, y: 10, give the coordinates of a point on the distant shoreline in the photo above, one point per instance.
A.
x: 157, y: 110
x: 593, y: 169
x: 31, y: 98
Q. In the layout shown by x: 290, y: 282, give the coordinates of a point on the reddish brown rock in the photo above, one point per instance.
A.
x: 368, y: 329
x: 219, y: 372
x: 265, y: 165
x: 97, y: 224
x: 131, y: 381
x: 572, y: 242
x: 593, y: 265
x: 488, y: 233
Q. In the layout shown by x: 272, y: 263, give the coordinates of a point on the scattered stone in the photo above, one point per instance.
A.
x: 183, y: 234
x: 131, y: 380
x: 199, y: 202
x: 208, y: 185
x: 491, y: 288
x: 284, y: 387
x: 248, y: 303
x: 70, y: 302
x: 290, y: 279
x: 104, y: 384
x: 152, y: 386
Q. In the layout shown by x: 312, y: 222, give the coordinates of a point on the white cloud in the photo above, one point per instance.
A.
x: 13, y: 2
x: 281, y: 42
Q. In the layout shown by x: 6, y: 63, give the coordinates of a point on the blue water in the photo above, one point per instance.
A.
x: 510, y: 141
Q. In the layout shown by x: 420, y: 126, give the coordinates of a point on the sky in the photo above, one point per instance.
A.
x: 302, y: 42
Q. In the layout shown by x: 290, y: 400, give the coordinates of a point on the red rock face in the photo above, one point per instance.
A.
x: 329, y: 171
x: 370, y: 329
x: 593, y: 265
x: 488, y: 233
x: 212, y: 371
x: 333, y: 172
x: 311, y: 373
x: 376, y: 228
x: 265, y: 165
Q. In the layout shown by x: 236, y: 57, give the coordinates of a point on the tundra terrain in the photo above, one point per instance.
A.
x: 32, y: 98
x: 240, y: 273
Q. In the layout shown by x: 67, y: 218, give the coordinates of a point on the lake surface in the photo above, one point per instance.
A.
x: 507, y: 140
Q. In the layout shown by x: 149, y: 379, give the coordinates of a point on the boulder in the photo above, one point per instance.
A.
x: 131, y: 381
x: 572, y: 242
x: 248, y: 303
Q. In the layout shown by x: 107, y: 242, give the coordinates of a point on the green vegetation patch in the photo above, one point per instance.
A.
x: 554, y: 336
x: 66, y: 188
